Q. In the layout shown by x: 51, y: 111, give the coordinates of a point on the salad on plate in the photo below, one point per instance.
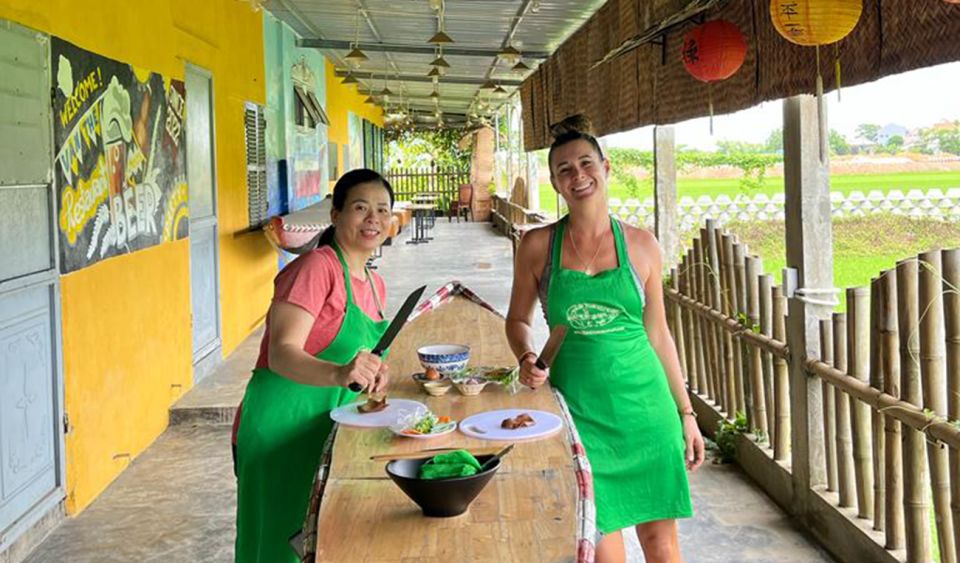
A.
x: 423, y: 424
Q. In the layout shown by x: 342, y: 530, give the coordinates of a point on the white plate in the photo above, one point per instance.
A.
x: 349, y: 416
x: 486, y: 425
x: 445, y: 428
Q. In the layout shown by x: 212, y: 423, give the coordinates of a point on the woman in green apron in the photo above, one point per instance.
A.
x: 326, y: 312
x: 618, y: 368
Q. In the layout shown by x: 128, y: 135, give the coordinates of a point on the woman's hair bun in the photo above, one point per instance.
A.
x: 578, y: 123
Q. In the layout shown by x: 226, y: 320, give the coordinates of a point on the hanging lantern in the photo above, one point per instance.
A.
x: 815, y: 22
x: 714, y: 51
x: 812, y: 23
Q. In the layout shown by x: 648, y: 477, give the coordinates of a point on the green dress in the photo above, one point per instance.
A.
x: 283, y: 428
x: 617, y: 392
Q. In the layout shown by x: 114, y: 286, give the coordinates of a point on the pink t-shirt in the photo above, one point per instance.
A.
x: 314, y: 282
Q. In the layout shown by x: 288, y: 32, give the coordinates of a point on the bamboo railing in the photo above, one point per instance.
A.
x: 889, y: 368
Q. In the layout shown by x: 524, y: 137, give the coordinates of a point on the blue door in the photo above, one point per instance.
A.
x: 204, y: 247
x: 31, y: 440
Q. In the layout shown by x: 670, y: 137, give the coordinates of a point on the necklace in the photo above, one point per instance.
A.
x: 595, y: 254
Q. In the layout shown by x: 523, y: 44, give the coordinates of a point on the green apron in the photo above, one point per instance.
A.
x: 283, y: 428
x: 617, y: 392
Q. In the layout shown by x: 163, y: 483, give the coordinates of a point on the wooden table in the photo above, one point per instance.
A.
x: 422, y: 217
x: 528, y: 512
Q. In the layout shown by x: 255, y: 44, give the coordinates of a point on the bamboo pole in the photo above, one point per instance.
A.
x: 915, y: 504
x: 725, y: 323
x: 766, y: 330
x: 713, y: 285
x: 744, y: 396
x: 781, y: 382
x: 706, y: 294
x: 934, y: 394
x: 876, y: 381
x: 858, y: 350
x: 730, y: 350
x: 754, y: 266
x: 845, y: 474
x: 951, y: 305
x: 893, y: 448
x: 829, y: 406
x: 706, y: 365
x: 686, y: 327
x: 678, y: 336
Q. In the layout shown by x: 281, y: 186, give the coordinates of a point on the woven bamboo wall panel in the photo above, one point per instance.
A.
x: 918, y: 34
x: 528, y: 117
x: 635, y: 89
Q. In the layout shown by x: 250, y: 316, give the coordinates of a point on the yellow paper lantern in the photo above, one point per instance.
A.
x: 815, y: 22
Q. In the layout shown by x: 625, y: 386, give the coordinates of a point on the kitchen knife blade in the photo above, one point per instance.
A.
x: 395, y: 325
x: 552, y: 346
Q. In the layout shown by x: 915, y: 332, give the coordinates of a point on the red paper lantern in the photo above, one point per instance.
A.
x: 714, y: 50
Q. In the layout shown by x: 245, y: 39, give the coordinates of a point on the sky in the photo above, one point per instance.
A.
x: 913, y: 99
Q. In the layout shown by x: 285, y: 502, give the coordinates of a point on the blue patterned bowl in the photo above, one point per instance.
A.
x: 445, y: 358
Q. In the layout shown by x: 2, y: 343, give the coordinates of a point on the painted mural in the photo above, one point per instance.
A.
x: 119, y: 151
x: 355, y: 132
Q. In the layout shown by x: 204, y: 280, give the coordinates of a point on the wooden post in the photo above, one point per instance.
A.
x: 688, y: 327
x: 754, y: 267
x: 858, y: 350
x: 934, y: 396
x: 893, y: 458
x: 845, y: 473
x: 781, y: 383
x: 742, y: 355
x: 766, y: 329
x: 734, y: 361
x: 665, y: 193
x: 916, y: 505
x: 829, y: 406
x: 706, y: 328
x: 713, y: 286
x: 876, y: 381
x: 729, y: 375
x: 809, y: 244
x: 951, y: 304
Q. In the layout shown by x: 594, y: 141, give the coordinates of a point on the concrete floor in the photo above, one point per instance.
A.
x: 176, y: 501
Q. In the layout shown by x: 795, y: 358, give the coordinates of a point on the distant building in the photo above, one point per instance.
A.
x: 891, y: 130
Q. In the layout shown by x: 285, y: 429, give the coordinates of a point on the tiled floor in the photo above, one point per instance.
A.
x: 176, y: 501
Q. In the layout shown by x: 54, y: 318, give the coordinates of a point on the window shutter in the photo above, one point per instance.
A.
x: 255, y: 126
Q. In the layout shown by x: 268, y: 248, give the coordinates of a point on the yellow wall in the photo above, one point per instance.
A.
x: 343, y: 98
x: 126, y: 320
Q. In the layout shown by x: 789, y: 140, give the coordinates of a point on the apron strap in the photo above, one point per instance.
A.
x: 349, y: 287
x: 557, y: 258
x: 623, y: 257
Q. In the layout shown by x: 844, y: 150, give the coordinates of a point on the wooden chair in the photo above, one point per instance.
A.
x: 462, y: 206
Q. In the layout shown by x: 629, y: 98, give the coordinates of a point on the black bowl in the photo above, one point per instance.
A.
x: 440, y: 498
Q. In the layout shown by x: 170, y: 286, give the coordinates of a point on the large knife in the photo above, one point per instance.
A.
x: 550, y: 349
x: 395, y: 325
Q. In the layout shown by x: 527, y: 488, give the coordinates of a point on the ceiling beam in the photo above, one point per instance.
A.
x: 416, y: 49
x: 362, y: 75
x: 517, y: 18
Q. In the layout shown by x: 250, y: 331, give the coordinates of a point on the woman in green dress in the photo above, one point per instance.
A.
x: 327, y: 311
x: 618, y: 369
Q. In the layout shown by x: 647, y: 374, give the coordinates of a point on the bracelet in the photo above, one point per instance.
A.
x: 688, y: 412
x: 524, y: 355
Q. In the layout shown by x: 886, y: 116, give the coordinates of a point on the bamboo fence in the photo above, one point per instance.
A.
x: 889, y: 368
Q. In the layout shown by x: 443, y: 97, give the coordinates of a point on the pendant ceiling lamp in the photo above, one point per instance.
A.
x: 355, y: 55
x: 440, y: 37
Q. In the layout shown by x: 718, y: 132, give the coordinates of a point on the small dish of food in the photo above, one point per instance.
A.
x: 470, y: 385
x: 436, y: 388
x: 423, y: 424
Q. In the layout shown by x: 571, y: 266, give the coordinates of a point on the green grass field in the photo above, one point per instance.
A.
x: 862, y: 247
x: 695, y: 187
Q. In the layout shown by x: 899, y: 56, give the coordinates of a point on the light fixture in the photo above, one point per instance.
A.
x: 439, y: 38
x: 488, y: 85
x: 370, y: 100
x: 435, y: 72
x: 356, y: 55
x: 499, y: 91
x: 435, y: 4
x: 520, y: 67
x: 434, y: 94
x: 535, y: 6
x: 349, y: 79
x: 509, y: 54
x: 440, y: 62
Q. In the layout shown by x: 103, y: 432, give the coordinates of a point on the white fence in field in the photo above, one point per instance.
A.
x: 933, y: 203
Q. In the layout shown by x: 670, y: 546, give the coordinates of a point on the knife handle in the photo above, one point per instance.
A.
x: 541, y: 364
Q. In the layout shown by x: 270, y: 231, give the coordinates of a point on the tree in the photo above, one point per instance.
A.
x: 869, y: 131
x: 420, y: 148
x: 894, y: 144
x: 737, y: 147
x: 838, y: 143
x: 774, y: 142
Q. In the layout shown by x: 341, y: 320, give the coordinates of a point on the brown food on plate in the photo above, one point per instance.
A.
x: 431, y: 374
x: 522, y: 420
x: 373, y: 405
